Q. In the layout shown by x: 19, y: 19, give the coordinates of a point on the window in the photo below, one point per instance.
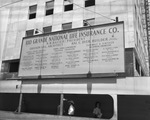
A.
x: 49, y: 7
x: 32, y: 11
x: 137, y: 66
x: 10, y: 66
x: 5, y: 67
x: 66, y: 26
x: 89, y: 3
x: 14, y: 66
x: 135, y: 11
x: 137, y: 39
x: 89, y: 22
x: 47, y: 29
x: 29, y: 33
x: 142, y: 73
x: 68, y: 5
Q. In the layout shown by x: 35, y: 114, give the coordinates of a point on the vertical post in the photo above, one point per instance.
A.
x: 90, y: 50
x: 117, y: 19
x: 115, y: 116
x: 20, y: 99
x: 61, y: 104
x: 20, y: 103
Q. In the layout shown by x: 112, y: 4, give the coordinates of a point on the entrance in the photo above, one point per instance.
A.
x: 48, y: 103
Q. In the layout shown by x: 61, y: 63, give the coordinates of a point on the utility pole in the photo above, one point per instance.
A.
x: 90, y: 51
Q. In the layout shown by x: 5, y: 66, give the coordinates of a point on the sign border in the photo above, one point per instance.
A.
x: 89, y: 75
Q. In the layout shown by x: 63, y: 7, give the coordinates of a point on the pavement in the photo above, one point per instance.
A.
x: 8, y: 115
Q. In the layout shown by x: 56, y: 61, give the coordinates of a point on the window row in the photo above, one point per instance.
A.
x: 65, y: 26
x: 49, y: 7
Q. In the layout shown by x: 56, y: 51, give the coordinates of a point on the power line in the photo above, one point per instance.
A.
x: 92, y: 11
x: 10, y: 3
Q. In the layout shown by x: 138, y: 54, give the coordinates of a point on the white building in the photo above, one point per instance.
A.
x: 24, y: 18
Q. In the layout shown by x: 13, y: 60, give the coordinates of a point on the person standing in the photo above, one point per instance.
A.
x: 71, y: 109
x: 97, y: 111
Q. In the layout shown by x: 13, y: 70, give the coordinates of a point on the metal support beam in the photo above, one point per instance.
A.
x: 20, y: 99
x: 20, y: 103
x: 61, y: 104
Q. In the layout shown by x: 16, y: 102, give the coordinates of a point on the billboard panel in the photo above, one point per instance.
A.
x: 98, y: 49
x: 30, y: 61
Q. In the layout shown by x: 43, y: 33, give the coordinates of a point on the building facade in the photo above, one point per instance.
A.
x: 27, y: 18
x: 49, y: 16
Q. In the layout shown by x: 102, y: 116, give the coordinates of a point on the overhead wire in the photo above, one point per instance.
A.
x: 10, y: 3
x: 91, y: 11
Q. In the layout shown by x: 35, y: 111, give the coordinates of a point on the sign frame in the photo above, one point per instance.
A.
x: 88, y: 74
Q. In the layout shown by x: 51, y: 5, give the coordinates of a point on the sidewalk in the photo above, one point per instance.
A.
x: 7, y: 115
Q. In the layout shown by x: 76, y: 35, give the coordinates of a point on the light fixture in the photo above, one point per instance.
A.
x: 37, y: 31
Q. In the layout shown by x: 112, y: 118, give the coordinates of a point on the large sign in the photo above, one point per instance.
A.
x: 98, y: 49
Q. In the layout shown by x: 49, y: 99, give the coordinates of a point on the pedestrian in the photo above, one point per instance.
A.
x: 58, y: 110
x: 97, y: 111
x: 71, y: 109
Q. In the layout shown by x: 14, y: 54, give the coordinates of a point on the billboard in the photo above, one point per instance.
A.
x: 98, y: 49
